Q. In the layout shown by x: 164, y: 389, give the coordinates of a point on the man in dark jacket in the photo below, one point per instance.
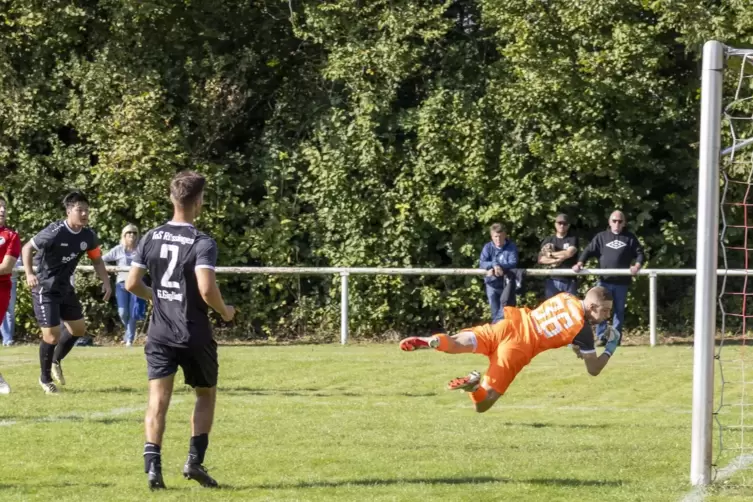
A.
x: 498, y: 257
x: 560, y: 251
x: 615, y: 248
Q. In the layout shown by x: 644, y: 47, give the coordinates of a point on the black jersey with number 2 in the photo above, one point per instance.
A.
x: 171, y: 254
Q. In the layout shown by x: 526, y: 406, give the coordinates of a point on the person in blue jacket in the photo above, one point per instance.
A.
x: 497, y: 258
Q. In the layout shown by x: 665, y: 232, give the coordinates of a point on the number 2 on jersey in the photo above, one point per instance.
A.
x: 172, y: 250
x: 552, y: 318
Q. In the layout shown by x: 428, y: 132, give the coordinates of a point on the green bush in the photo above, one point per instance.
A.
x: 349, y: 133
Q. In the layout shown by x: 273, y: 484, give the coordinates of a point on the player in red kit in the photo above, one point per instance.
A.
x: 10, y: 249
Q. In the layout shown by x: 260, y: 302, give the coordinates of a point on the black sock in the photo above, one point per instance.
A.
x: 198, y: 449
x: 66, y: 343
x: 46, y: 352
x: 151, y: 455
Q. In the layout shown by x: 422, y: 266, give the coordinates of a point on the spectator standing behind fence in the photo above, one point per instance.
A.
x: 615, y: 248
x: 8, y: 326
x: 497, y: 258
x: 128, y: 304
x: 560, y: 251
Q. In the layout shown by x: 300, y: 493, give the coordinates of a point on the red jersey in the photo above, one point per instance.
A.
x: 10, y: 244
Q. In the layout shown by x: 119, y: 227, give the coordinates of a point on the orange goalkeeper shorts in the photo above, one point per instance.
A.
x: 506, y: 345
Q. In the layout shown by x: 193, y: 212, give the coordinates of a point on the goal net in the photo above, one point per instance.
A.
x: 722, y: 436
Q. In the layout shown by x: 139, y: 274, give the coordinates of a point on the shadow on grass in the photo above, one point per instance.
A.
x: 62, y: 484
x: 465, y: 480
x: 249, y: 391
x: 100, y: 419
x: 539, y: 425
x: 178, y: 389
x: 108, y: 390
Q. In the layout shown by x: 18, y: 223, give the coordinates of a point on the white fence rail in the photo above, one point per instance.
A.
x: 345, y: 272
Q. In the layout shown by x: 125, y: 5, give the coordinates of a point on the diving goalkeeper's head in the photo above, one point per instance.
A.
x: 598, y: 305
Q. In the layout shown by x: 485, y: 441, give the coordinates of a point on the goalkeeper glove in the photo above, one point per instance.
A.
x: 613, y: 340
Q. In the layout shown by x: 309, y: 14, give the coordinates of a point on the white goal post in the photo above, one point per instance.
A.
x: 708, y: 296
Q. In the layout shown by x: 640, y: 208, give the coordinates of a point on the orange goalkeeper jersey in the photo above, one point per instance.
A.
x: 558, y: 321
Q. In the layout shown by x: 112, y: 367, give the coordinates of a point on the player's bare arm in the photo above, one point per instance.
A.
x: 135, y: 283
x: 6, y: 267
x: 27, y: 252
x: 101, y: 270
x: 594, y: 363
x: 210, y: 292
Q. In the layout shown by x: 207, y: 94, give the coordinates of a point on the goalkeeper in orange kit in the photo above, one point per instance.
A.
x: 511, y: 343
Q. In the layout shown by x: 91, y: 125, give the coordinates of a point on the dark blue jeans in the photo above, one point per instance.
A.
x: 619, y: 294
x: 554, y: 287
x: 495, y: 296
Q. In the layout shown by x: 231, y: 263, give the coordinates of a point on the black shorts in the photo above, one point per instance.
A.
x: 50, y: 310
x: 200, y: 365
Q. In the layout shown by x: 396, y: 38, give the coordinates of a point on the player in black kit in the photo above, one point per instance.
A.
x: 58, y: 248
x: 180, y: 261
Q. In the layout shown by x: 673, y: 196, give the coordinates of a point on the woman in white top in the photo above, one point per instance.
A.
x: 122, y: 255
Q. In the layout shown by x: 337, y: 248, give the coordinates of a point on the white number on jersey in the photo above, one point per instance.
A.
x: 173, y: 251
x: 552, y: 318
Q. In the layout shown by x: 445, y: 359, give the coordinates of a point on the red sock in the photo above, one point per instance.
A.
x: 478, y: 395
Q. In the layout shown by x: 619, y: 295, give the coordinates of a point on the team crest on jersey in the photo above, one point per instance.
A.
x: 83, y: 246
x: 616, y: 245
x: 2, y: 241
x: 565, y: 246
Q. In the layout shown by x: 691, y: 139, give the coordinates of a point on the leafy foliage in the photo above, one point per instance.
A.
x: 350, y: 133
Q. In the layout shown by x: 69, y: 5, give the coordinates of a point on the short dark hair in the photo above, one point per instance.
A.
x: 601, y: 294
x: 498, y: 227
x: 74, y: 198
x: 186, y: 187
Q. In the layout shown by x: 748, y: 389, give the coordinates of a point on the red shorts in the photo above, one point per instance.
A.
x: 5, y: 290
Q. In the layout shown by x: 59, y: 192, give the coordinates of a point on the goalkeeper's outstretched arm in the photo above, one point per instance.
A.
x: 594, y: 363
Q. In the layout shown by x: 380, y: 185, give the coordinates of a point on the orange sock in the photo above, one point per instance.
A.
x: 444, y: 342
x: 478, y: 395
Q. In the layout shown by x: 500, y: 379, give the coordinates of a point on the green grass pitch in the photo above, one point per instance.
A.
x: 361, y: 422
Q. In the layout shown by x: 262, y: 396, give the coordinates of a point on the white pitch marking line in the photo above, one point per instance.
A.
x: 115, y: 412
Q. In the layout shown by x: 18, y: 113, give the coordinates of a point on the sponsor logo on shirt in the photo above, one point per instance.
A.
x: 169, y: 296
x: 63, y: 244
x: 164, y: 235
x: 616, y: 245
x: 68, y: 258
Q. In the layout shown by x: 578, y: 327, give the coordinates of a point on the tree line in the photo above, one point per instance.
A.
x: 352, y: 133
